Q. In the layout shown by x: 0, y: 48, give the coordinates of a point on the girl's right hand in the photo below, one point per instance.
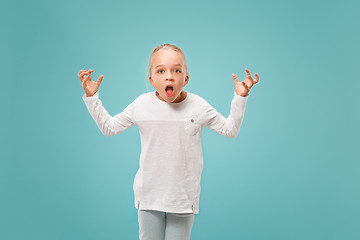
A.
x: 90, y: 87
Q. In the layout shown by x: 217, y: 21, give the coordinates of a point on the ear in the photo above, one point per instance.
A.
x: 186, y: 80
x: 151, y: 81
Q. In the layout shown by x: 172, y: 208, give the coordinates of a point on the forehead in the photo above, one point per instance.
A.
x: 167, y: 57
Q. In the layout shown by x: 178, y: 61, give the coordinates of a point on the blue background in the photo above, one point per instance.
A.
x: 291, y: 173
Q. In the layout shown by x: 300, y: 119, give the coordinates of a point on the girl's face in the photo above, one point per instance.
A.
x: 168, y: 75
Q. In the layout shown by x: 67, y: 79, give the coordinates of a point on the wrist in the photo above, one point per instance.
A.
x: 89, y: 94
x: 242, y: 95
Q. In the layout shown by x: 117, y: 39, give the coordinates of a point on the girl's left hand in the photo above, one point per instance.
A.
x: 243, y: 88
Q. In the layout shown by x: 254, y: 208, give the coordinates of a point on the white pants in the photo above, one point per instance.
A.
x: 156, y: 225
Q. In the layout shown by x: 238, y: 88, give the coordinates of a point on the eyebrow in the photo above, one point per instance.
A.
x: 173, y: 65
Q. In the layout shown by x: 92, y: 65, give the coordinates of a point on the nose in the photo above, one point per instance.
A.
x: 169, y: 76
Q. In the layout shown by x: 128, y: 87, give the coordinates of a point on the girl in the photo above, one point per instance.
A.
x: 170, y: 121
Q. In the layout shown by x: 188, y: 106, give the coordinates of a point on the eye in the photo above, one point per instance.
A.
x: 160, y: 71
x: 177, y: 70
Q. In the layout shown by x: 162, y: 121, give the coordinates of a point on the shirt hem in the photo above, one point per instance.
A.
x: 141, y: 206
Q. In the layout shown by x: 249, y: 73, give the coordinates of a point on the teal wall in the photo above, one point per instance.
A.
x: 291, y: 174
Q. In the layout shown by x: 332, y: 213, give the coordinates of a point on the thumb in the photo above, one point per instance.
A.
x: 245, y: 86
x: 99, y: 80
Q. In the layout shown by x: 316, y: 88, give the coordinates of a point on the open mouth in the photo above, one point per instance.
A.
x: 169, y: 91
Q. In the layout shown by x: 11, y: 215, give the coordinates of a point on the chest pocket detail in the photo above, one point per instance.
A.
x: 192, y: 124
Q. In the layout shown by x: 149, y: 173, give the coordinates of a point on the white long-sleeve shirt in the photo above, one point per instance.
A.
x: 171, y: 159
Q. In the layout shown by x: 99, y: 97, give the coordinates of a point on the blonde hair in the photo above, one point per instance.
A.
x: 170, y: 47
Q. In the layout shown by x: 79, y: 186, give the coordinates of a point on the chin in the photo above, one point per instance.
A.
x: 176, y: 97
x: 171, y: 99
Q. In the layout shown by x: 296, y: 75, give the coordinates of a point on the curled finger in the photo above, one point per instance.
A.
x: 256, y: 78
x: 82, y: 77
x: 82, y: 70
x: 249, y: 80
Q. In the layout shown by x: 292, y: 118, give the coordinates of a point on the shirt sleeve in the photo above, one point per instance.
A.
x: 227, y: 127
x: 107, y: 124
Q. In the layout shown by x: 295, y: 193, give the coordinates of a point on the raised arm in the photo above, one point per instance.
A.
x: 230, y: 127
x: 107, y: 124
